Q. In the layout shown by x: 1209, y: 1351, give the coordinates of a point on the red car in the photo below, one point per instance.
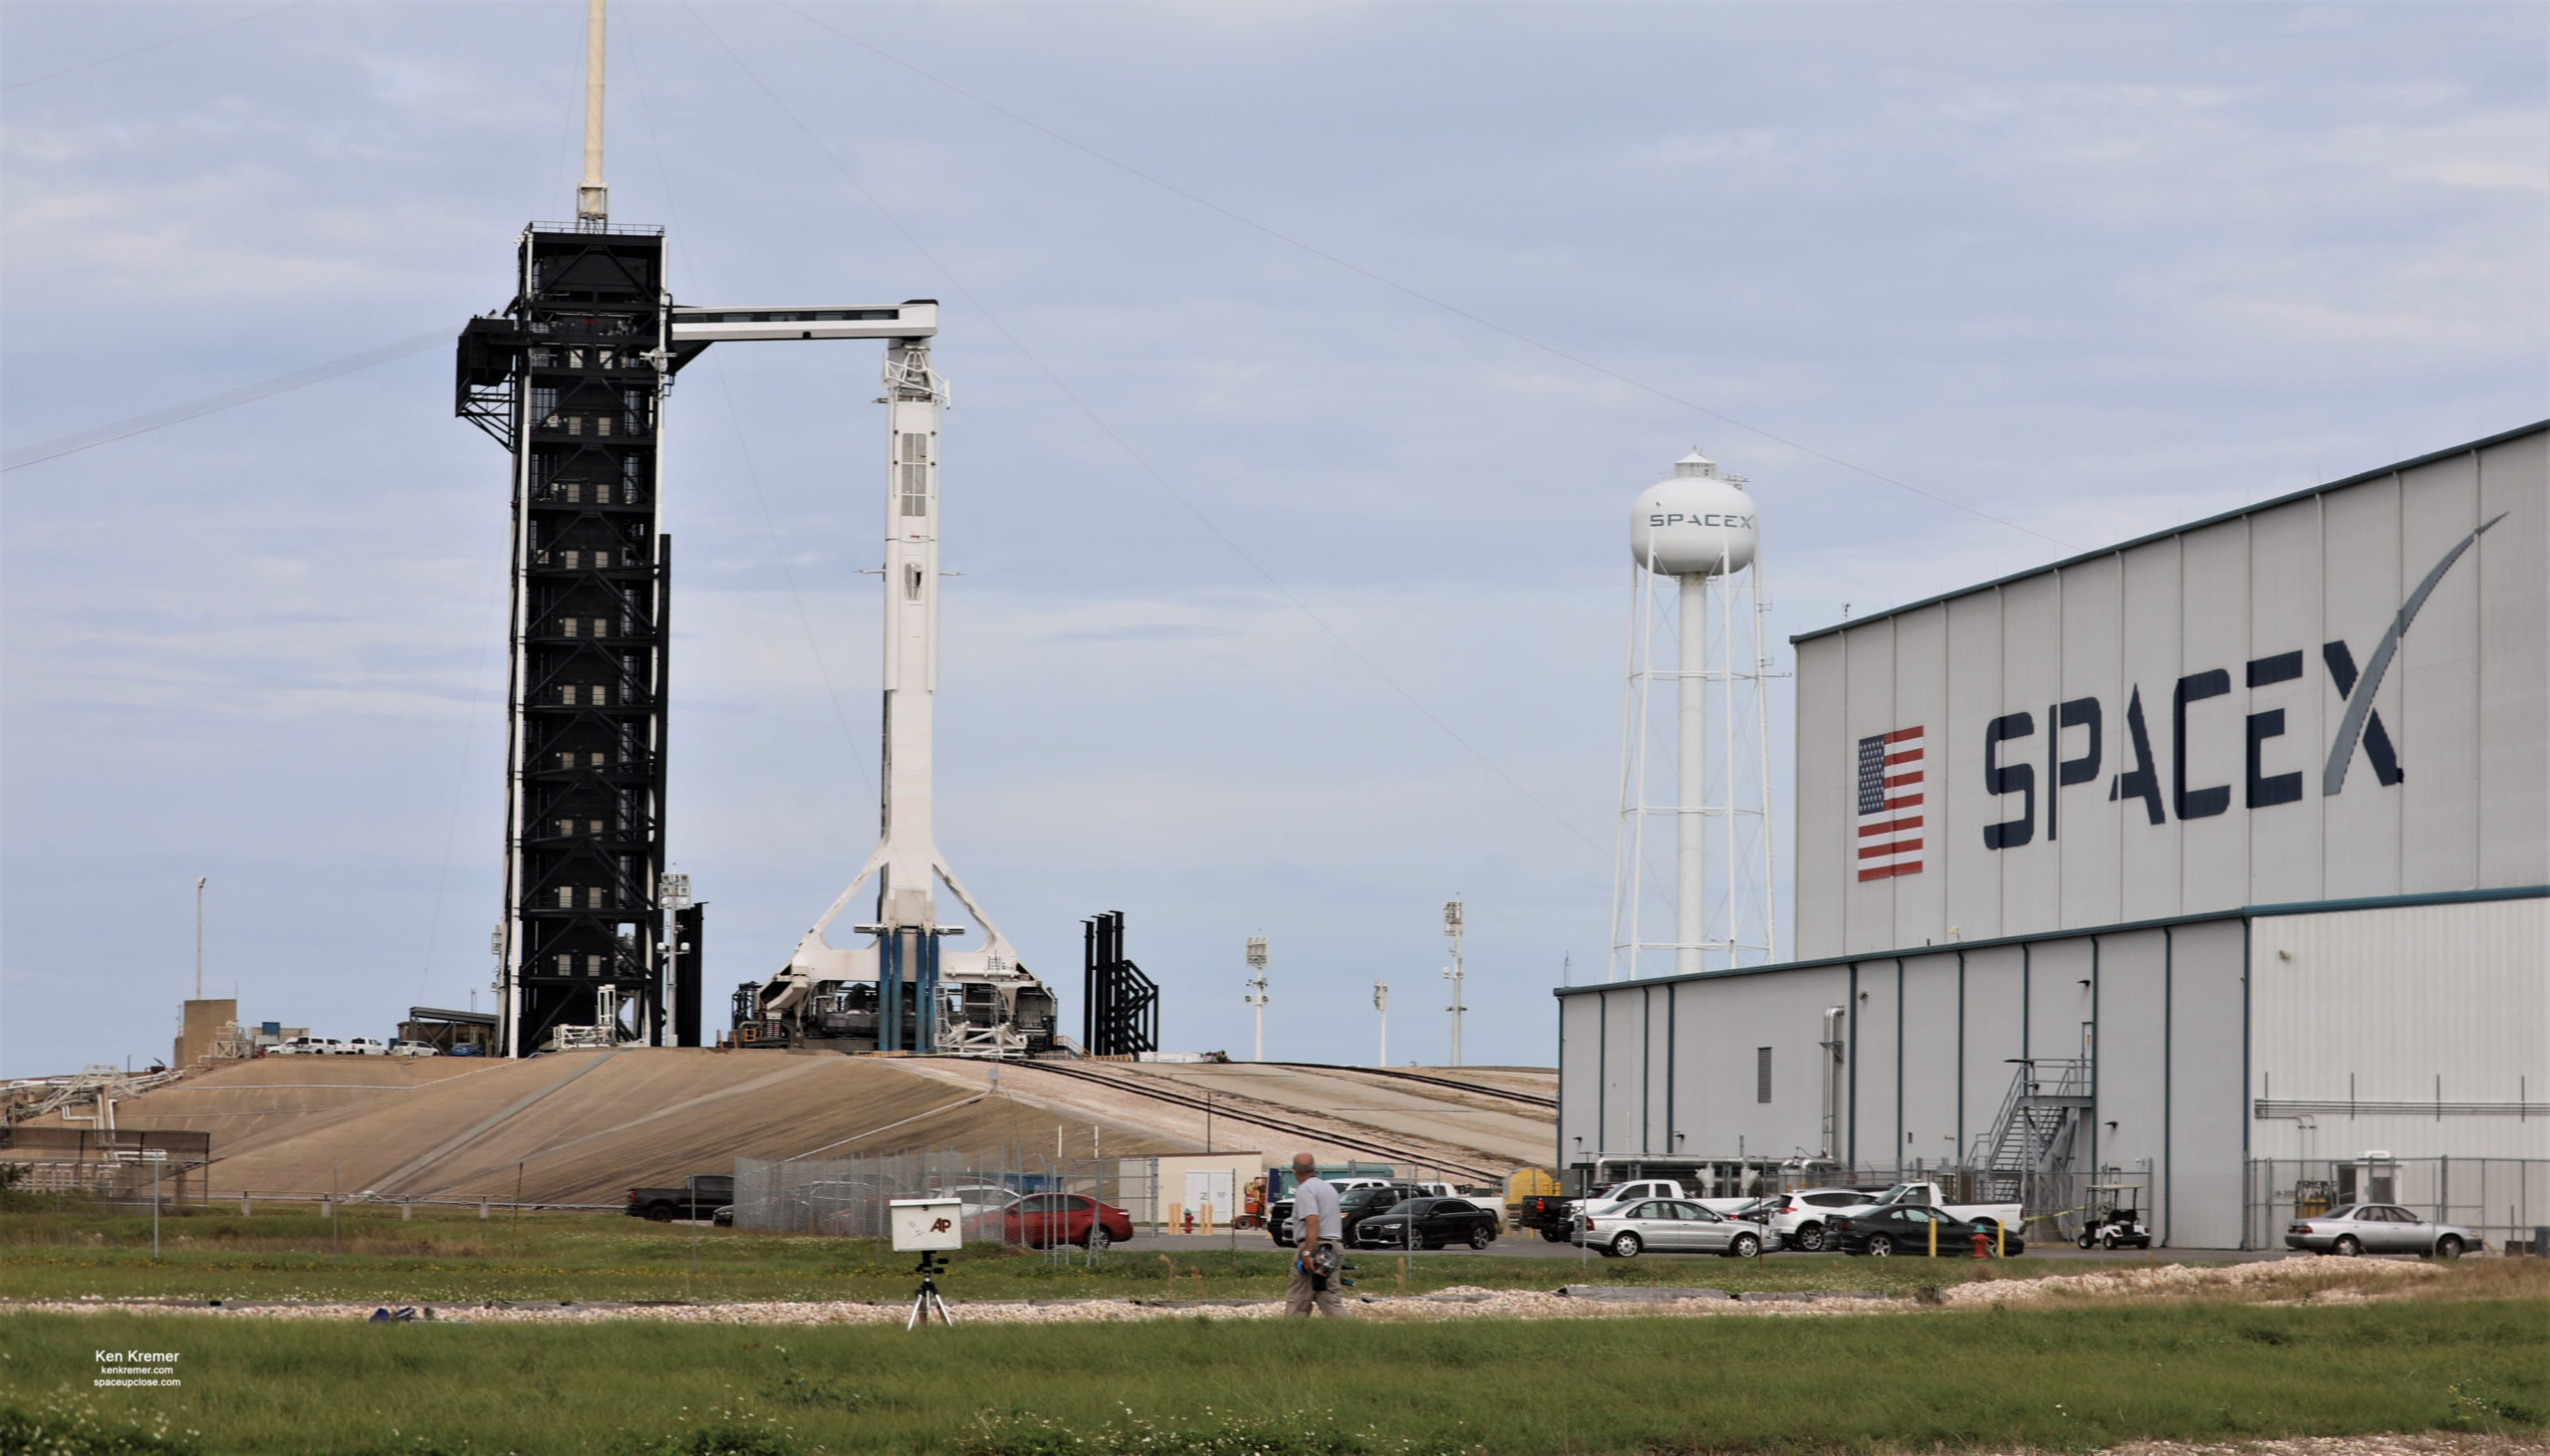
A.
x: 1042, y: 1219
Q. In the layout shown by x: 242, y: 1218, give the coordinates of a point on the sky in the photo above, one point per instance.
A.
x: 1306, y: 359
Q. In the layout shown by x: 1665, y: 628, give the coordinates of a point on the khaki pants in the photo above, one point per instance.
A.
x: 1298, y: 1296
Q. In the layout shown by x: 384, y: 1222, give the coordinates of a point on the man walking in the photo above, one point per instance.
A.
x: 1317, y: 1219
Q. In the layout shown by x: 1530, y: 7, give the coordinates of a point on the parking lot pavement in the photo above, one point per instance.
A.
x: 1531, y: 1245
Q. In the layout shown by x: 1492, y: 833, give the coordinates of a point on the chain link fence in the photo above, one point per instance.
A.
x: 1070, y: 1208
x: 2500, y: 1199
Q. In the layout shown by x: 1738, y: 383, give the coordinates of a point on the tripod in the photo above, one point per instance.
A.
x: 925, y: 1300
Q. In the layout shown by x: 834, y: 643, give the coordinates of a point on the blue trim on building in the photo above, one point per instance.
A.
x: 2243, y: 912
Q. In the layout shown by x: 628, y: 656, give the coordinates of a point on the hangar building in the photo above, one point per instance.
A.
x: 2216, y: 862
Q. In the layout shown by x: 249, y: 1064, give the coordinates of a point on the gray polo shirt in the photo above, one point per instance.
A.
x: 1317, y: 1196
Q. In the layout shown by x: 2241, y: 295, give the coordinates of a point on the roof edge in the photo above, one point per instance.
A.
x: 2518, y: 432
x: 2122, y: 927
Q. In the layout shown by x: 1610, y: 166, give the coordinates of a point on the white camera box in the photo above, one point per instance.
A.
x: 926, y: 1224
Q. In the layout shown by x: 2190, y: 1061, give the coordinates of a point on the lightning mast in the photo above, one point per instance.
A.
x: 1452, y: 973
x: 1382, y: 1008
x: 1255, y: 995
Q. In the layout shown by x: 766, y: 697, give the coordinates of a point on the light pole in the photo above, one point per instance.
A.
x: 200, y: 881
x: 1382, y: 1004
x: 1256, y: 994
x: 1452, y: 928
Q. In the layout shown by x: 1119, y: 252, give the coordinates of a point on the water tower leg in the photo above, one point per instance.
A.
x: 1691, y: 903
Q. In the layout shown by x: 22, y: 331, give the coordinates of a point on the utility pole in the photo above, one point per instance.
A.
x: 200, y: 879
x: 1256, y: 994
x: 1452, y: 928
x: 1382, y: 1004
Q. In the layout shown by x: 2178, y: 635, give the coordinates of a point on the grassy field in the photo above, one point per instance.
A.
x: 455, y: 1258
x: 2058, y: 1379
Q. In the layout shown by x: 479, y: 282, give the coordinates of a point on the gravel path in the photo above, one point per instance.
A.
x: 2430, y: 1444
x: 2302, y: 1279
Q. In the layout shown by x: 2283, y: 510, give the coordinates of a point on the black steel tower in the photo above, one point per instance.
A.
x: 1120, y: 1005
x: 570, y: 377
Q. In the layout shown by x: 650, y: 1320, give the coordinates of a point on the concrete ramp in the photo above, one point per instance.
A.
x: 583, y: 1128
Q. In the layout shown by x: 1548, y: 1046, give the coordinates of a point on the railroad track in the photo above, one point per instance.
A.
x: 1454, y: 1085
x: 1222, y: 1108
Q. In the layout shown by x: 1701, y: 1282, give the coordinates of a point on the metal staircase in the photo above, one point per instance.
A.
x: 2033, y: 1135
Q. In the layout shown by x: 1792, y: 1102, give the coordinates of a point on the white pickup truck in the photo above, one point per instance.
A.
x: 1613, y: 1195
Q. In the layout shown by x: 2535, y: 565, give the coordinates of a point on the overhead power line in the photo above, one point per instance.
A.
x: 1419, y: 295
x: 154, y: 45
x: 72, y: 444
x: 1157, y: 478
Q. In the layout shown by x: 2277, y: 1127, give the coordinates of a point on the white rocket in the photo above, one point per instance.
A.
x: 904, y: 958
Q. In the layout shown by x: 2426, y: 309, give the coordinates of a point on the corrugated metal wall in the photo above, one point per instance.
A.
x: 2436, y: 1004
x: 2187, y: 648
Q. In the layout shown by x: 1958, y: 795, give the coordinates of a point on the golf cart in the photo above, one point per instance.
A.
x: 2115, y: 1221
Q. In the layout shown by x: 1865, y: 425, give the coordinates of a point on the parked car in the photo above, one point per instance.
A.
x: 724, y: 1217
x: 365, y: 1047
x: 1800, y: 1221
x: 311, y: 1047
x: 698, y: 1196
x: 2379, y: 1228
x: 1279, y: 1219
x: 1670, y: 1225
x: 400, y: 1047
x: 1041, y: 1220
x: 1905, y: 1228
x: 1428, y: 1223
x: 1603, y: 1197
x: 1755, y: 1211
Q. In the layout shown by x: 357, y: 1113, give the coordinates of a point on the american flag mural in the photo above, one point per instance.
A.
x: 1890, y: 802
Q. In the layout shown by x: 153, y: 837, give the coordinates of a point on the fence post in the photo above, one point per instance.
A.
x: 482, y: 1207
x: 406, y: 1211
x: 244, y: 1203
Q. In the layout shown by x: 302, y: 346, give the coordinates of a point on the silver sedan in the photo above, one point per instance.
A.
x: 1669, y: 1225
x: 2379, y: 1228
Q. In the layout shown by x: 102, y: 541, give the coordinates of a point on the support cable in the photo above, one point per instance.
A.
x: 1398, y: 287
x: 1131, y: 453
x: 72, y: 444
x: 156, y: 44
x: 744, y: 441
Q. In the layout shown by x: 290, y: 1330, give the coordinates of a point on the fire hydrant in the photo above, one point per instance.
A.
x: 1982, y: 1244
x: 1191, y: 1221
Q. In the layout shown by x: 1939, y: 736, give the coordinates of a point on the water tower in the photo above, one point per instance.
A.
x: 1691, y: 880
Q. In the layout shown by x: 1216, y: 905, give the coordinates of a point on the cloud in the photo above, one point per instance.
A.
x: 2093, y: 271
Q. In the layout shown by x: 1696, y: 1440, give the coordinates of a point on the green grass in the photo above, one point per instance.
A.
x: 2058, y: 1379
x: 455, y: 1258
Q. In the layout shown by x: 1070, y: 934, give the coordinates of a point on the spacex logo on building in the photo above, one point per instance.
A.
x: 2077, y: 735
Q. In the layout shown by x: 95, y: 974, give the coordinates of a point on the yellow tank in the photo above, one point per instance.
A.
x: 1525, y: 1183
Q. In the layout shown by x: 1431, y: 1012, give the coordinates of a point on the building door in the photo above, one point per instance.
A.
x: 1208, y: 1193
